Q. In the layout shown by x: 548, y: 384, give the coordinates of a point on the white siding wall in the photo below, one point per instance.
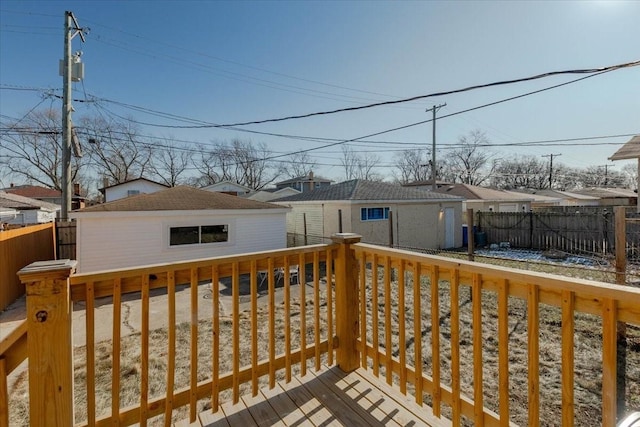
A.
x: 315, y: 223
x: 32, y: 216
x: 121, y: 191
x: 119, y: 241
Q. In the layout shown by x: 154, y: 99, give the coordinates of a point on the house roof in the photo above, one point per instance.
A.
x: 34, y: 191
x: 15, y: 201
x: 359, y: 189
x: 271, y: 194
x: 213, y: 187
x: 180, y: 198
x: 630, y: 150
x: 607, y: 193
x: 102, y: 190
x: 566, y: 195
x: 536, y: 197
x: 474, y: 192
x: 304, y: 178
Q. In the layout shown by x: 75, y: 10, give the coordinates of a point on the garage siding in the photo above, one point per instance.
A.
x: 124, y: 242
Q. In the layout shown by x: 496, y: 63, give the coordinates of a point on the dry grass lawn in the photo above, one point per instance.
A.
x: 588, y: 378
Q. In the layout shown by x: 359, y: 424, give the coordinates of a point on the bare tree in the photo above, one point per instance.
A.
x: 116, y: 149
x: 630, y: 172
x: 299, y: 164
x: 360, y: 166
x: 239, y: 161
x: 170, y: 163
x: 521, y: 172
x: 31, y: 150
x: 470, y: 160
x: 412, y: 166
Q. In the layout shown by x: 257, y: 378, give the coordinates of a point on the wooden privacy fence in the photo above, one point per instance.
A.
x: 592, y: 231
x: 18, y: 248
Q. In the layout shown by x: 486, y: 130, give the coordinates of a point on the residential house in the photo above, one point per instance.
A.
x: 382, y: 213
x: 175, y: 224
x: 304, y: 183
x: 539, y: 201
x: 558, y: 198
x: 26, y: 210
x: 130, y: 188
x: 229, y: 187
x: 269, y: 194
x: 611, y: 196
x: 487, y: 199
x: 48, y: 195
x: 630, y: 150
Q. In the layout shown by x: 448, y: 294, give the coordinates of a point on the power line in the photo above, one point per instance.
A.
x: 450, y: 92
x: 591, y: 72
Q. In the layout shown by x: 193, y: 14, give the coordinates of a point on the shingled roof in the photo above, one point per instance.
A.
x: 181, y: 198
x: 34, y: 191
x: 359, y: 189
x: 15, y: 201
x: 474, y: 192
x: 630, y: 150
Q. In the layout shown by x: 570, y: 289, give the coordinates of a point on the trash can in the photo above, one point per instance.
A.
x: 481, y: 238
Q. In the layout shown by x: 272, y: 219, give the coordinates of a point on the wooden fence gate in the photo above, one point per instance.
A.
x: 66, y: 239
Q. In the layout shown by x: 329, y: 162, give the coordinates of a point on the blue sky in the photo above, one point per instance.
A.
x: 226, y: 62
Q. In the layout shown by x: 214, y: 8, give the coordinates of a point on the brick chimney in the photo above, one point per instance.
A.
x: 76, y: 188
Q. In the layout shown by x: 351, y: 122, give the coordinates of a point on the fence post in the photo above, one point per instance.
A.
x: 471, y: 238
x: 346, y: 273
x: 620, y: 222
x: 49, y: 346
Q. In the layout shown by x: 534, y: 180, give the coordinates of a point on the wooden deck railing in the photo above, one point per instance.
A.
x: 464, y: 339
x: 410, y: 302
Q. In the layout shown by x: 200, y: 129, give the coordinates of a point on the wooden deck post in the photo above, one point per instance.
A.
x: 347, y: 325
x: 49, y: 343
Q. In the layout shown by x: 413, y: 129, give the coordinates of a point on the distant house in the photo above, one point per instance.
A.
x: 48, y: 195
x: 539, y: 201
x: 544, y: 198
x: 630, y: 150
x: 175, y: 224
x: 228, y: 187
x: 304, y: 183
x: 611, y: 196
x: 130, y: 188
x: 420, y: 219
x: 272, y: 194
x: 487, y: 199
x: 25, y: 210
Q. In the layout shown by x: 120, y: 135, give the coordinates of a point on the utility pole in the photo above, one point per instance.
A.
x: 71, y: 29
x: 606, y: 173
x: 551, y: 156
x: 434, y: 109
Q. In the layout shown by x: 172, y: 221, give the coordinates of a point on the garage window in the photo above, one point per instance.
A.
x: 198, y: 234
x: 373, y: 214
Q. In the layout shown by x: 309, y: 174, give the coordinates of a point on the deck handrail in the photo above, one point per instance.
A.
x: 266, y: 358
x: 380, y: 309
x: 611, y: 303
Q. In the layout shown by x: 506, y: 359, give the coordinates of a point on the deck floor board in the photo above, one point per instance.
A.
x: 329, y: 397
